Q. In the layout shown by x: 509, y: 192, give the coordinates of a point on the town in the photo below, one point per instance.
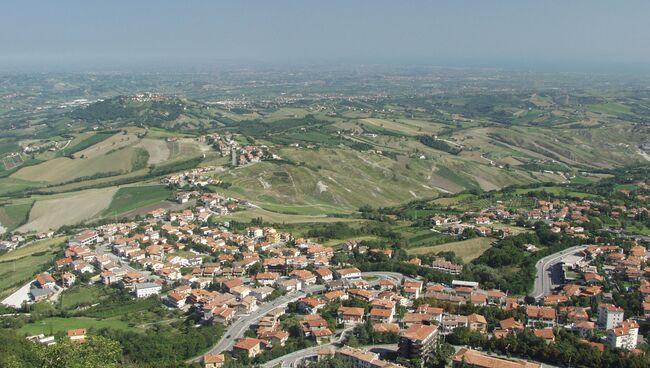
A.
x: 286, y: 300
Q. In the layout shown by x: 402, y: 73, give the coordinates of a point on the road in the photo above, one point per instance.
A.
x: 242, y: 323
x: 393, y: 276
x: 21, y: 295
x: 543, y: 283
x: 291, y: 359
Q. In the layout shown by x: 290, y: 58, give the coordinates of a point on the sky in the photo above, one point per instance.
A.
x: 531, y: 33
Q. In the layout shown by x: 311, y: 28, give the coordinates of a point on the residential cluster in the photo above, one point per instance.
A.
x: 194, y: 178
x: 240, y: 155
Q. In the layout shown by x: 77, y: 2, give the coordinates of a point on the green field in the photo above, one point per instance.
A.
x: 54, y: 325
x: 80, y: 295
x: 467, y: 250
x: 21, y: 265
x: 6, y: 147
x: 127, y: 199
x: 10, y: 184
x: 42, y: 246
x: 12, y: 216
x: 611, y: 108
x: 85, y: 143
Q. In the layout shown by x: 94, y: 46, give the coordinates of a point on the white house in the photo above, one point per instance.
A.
x: 624, y: 335
x: 147, y: 289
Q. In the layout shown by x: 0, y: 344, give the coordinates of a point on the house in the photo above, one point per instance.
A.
x: 313, y: 325
x: 324, y: 274
x: 146, y: 289
x: 624, y: 335
x: 310, y: 305
x: 68, y: 279
x: 411, y: 319
x: 38, y: 294
x: 262, y: 292
x: 418, y: 341
x: 85, y: 238
x: 453, y: 321
x: 42, y: 339
x: 511, y: 325
x: 176, y: 299
x: 476, y: 322
x: 496, y: 297
x: 213, y: 360
x: 546, y: 334
x: 349, y: 273
x: 267, y: 278
x: 45, y: 281
x: 385, y: 328
x: 609, y: 315
x: 465, y: 357
x: 361, y: 294
x: 289, y: 285
x: 77, y: 335
x: 442, y: 265
x: 540, y: 316
x: 274, y: 337
x: 380, y: 315
x: 386, y: 285
x: 584, y: 328
x: 248, y: 346
x: 335, y: 295
x: 322, y: 336
x: 412, y: 289
x: 359, y: 358
x: 221, y: 315
x: 434, y: 313
x: 305, y: 276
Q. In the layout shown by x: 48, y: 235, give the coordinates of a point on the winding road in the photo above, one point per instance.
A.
x: 242, y: 323
x: 543, y: 283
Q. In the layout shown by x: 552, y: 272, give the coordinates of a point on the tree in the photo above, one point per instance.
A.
x: 95, y: 352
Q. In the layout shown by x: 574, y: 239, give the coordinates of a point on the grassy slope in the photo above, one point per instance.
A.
x: 57, y: 324
x: 12, y: 216
x: 130, y: 198
x: 21, y: 265
x: 76, y: 146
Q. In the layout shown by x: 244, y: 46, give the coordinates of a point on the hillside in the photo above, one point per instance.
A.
x: 332, y: 156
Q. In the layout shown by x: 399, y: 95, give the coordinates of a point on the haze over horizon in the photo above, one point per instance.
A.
x: 589, y: 35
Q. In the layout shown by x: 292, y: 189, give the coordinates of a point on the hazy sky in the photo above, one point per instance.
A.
x: 481, y: 32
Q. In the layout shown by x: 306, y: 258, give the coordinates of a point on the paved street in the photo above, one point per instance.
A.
x: 291, y: 360
x: 543, y: 280
x: 103, y: 249
x: 241, y: 324
x: 237, y: 329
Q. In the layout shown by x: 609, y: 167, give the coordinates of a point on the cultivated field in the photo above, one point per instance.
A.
x: 466, y: 249
x: 63, y: 169
x: 72, y: 209
x: 274, y: 217
x: 112, y: 143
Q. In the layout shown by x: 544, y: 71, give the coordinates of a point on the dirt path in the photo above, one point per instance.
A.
x: 158, y: 150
